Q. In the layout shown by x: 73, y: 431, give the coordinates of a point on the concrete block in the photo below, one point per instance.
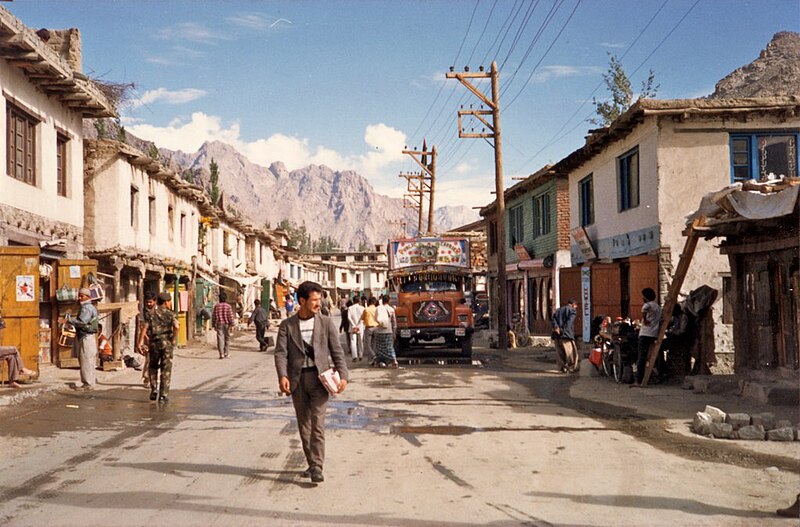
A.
x: 701, y: 424
x: 738, y: 420
x: 765, y: 419
x: 717, y: 415
x: 752, y: 433
x: 781, y: 434
x: 722, y: 430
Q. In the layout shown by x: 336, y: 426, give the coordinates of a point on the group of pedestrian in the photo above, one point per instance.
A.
x: 370, y: 326
x: 567, y: 357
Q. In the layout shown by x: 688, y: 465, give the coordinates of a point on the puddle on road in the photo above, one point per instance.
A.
x: 436, y: 361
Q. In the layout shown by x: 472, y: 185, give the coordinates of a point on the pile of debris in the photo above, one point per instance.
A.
x: 713, y: 422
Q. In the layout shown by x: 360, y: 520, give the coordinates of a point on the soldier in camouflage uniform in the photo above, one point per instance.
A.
x: 161, y: 327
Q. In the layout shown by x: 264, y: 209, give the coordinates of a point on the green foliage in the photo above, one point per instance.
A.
x: 300, y: 239
x: 122, y: 136
x: 363, y: 247
x: 214, y: 192
x: 619, y: 88
x: 100, y: 127
x: 153, y: 152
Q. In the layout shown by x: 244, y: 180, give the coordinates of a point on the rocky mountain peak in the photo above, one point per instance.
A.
x: 776, y: 71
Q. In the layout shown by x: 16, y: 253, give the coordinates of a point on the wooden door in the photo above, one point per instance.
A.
x: 570, y: 287
x: 19, y: 303
x: 643, y: 272
x: 70, y: 274
x: 606, y: 290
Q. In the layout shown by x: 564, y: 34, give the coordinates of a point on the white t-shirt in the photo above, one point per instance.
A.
x: 651, y: 319
x: 307, y: 332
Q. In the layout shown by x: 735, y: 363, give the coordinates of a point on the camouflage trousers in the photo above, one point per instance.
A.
x: 160, y: 359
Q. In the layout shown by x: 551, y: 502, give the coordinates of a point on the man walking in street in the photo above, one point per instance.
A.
x: 370, y: 326
x: 142, y: 347
x: 223, y: 322
x: 260, y: 317
x: 564, y: 337
x: 354, y: 313
x: 85, y: 342
x: 161, y: 327
x: 307, y: 345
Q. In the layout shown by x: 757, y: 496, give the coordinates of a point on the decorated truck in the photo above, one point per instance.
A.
x: 429, y: 284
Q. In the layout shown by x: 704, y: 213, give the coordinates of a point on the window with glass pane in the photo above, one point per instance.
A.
x: 777, y: 156
x: 541, y: 215
x: 20, y: 145
x: 515, y: 227
x: 764, y: 156
x: 628, y: 180
x: 585, y: 188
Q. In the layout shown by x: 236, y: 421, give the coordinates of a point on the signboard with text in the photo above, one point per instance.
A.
x: 452, y: 252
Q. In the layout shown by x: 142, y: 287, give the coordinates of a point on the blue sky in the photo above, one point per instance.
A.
x: 348, y: 84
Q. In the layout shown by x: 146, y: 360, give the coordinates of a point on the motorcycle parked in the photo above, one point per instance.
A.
x: 615, y: 349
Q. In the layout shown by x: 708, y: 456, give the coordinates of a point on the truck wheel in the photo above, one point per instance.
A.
x: 403, y: 345
x: 466, y: 347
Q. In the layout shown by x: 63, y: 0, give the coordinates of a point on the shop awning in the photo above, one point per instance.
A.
x: 245, y: 281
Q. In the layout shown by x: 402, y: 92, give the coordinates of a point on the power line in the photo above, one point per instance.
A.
x: 555, y: 137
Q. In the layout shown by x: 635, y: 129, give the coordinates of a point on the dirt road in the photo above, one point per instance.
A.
x: 501, y: 441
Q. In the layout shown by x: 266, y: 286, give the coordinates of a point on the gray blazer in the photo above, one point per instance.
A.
x: 290, y: 354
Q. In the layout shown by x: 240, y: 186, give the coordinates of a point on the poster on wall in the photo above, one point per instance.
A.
x: 586, y: 302
x: 25, y: 288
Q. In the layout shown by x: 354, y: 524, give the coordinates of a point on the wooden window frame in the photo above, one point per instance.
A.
x: 62, y: 167
x: 23, y: 169
x: 628, y: 179
x: 541, y: 215
x: 747, y: 161
x: 586, y: 195
x: 516, y: 226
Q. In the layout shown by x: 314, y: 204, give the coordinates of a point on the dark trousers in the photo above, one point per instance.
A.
x: 261, y: 329
x: 310, y: 400
x: 160, y: 360
x: 641, y: 359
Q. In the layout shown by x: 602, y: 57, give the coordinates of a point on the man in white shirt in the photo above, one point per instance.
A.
x: 354, y: 314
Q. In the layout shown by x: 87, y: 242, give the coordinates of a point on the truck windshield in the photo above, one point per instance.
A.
x: 417, y: 287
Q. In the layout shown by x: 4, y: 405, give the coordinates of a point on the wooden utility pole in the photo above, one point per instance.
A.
x: 414, y: 196
x: 494, y: 132
x: 427, y: 181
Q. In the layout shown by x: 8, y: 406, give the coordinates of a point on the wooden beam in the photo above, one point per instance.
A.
x: 672, y: 296
x: 760, y: 247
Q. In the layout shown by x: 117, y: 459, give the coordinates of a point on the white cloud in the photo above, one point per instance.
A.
x: 165, y: 96
x: 613, y: 45
x: 380, y: 162
x: 557, y: 71
x: 191, y: 31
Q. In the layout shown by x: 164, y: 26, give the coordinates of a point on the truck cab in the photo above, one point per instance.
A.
x: 431, y: 295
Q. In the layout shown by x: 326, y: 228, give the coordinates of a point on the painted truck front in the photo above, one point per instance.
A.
x: 428, y: 281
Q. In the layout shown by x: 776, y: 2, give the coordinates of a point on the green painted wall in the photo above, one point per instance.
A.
x: 543, y: 245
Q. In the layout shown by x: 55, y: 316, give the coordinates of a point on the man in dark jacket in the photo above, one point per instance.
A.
x: 260, y: 318
x: 564, y: 337
x: 307, y: 345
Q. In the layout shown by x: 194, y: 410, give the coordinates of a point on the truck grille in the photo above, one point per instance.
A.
x: 431, y: 311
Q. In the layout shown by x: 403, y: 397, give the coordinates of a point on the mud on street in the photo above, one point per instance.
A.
x: 501, y: 440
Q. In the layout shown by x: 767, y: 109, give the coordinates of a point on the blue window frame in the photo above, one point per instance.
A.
x: 516, y: 229
x: 541, y: 215
x: 628, y: 179
x: 586, y: 192
x: 764, y: 155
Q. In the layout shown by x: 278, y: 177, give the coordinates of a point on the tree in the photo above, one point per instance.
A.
x: 363, y: 246
x: 214, y: 191
x: 619, y: 87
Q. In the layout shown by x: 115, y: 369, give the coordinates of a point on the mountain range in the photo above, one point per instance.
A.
x: 339, y: 204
